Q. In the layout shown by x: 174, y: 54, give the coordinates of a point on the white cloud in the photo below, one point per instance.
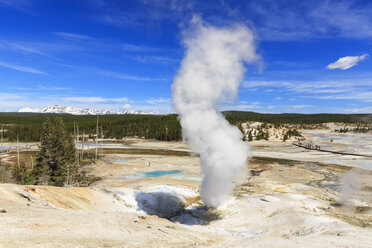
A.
x: 21, y: 68
x: 347, y: 62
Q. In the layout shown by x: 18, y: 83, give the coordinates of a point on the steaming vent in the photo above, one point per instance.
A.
x: 173, y: 203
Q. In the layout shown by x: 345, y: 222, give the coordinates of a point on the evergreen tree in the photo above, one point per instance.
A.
x: 63, y: 163
x: 56, y: 162
x: 23, y: 174
x: 42, y: 170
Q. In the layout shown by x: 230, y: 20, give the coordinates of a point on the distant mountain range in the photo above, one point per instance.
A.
x: 60, y: 109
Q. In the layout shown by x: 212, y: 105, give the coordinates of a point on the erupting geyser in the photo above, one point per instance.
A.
x: 210, y: 73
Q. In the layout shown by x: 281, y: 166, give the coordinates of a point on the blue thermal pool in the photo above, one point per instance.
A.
x: 156, y: 173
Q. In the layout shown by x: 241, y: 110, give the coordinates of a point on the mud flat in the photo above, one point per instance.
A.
x: 288, y: 198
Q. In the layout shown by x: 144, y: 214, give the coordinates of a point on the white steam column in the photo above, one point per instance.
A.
x: 210, y: 73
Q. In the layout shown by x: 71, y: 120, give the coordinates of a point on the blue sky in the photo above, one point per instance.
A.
x: 124, y: 54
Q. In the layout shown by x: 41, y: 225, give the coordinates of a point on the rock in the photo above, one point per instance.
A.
x: 2, y: 210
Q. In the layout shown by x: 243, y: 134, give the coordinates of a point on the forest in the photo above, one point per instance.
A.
x: 235, y: 117
x: 27, y: 126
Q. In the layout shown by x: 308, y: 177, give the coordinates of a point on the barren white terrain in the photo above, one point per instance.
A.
x: 290, y: 197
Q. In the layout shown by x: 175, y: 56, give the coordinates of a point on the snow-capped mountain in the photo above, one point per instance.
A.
x: 60, y: 109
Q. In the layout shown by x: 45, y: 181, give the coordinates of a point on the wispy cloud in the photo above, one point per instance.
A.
x: 13, y: 102
x: 40, y: 48
x: 9, y: 96
x: 21, y: 68
x: 52, y: 88
x: 159, y: 100
x: 138, y: 48
x: 42, y: 88
x: 274, y: 20
x: 126, y: 106
x: 244, y: 106
x: 73, y: 36
x: 120, y: 75
x: 21, y: 5
x: 347, y: 62
x: 280, y: 20
x: 95, y: 99
x: 145, y: 13
x: 153, y: 59
x: 351, y: 95
x: 21, y: 47
x: 113, y: 74
x: 358, y: 110
x: 352, y: 90
x: 299, y: 106
x: 84, y: 99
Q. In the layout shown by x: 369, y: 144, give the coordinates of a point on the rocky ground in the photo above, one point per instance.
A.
x: 290, y: 197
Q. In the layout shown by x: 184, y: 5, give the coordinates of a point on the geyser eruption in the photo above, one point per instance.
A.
x: 210, y: 73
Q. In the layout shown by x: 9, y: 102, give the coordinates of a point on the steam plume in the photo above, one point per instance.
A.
x: 210, y: 73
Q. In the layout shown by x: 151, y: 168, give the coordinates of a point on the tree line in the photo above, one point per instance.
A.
x: 160, y: 127
x: 235, y: 117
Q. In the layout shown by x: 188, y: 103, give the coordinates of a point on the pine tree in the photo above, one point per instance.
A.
x: 42, y: 170
x: 71, y: 167
x: 56, y: 162
x: 63, y: 155
x: 23, y: 174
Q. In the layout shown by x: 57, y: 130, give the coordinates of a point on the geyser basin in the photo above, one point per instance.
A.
x: 155, y: 173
